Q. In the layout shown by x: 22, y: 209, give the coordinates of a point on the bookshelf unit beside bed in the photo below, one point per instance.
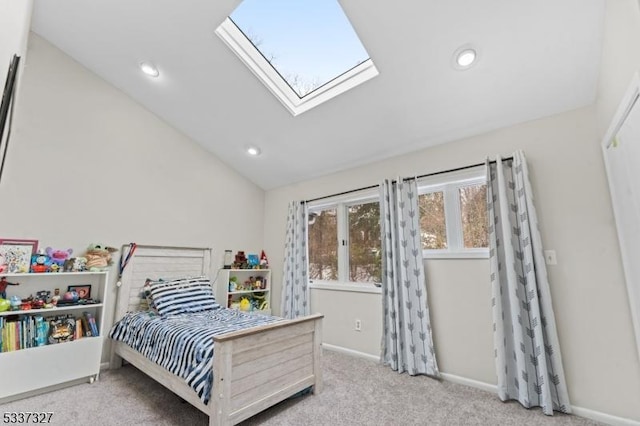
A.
x: 29, y: 369
x: 254, y: 285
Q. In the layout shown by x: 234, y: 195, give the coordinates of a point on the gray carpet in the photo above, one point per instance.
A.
x: 357, y: 392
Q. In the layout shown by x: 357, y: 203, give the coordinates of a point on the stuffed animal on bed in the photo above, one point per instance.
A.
x: 99, y: 257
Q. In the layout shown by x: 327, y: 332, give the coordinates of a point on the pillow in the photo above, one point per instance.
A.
x: 146, y: 303
x: 185, y: 295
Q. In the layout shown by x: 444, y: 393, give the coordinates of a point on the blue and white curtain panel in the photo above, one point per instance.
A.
x: 527, y: 352
x: 295, y: 276
x: 407, y: 343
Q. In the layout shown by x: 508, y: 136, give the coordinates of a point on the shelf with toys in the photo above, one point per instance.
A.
x: 63, y: 338
x: 50, y: 319
x: 246, y: 284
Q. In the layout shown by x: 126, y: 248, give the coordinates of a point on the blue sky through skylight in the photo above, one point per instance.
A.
x: 309, y: 42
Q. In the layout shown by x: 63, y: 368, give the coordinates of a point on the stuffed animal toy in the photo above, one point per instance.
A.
x: 58, y: 256
x: 40, y: 262
x: 75, y: 264
x: 99, y: 257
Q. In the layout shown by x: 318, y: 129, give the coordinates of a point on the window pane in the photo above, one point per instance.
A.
x: 365, y: 263
x: 432, y: 221
x: 309, y: 43
x: 473, y: 208
x: 323, y: 245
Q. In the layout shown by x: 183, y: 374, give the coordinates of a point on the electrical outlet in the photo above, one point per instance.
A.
x: 550, y: 257
x: 358, y: 325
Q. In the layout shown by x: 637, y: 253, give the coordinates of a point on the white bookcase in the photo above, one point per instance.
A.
x: 237, y: 284
x: 30, y: 371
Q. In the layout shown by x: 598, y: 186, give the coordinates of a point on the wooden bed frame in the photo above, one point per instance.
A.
x: 253, y: 369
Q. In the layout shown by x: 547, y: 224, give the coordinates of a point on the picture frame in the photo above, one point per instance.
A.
x: 83, y: 290
x: 15, y: 255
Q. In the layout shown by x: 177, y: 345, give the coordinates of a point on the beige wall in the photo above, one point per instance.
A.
x: 576, y: 220
x: 88, y: 164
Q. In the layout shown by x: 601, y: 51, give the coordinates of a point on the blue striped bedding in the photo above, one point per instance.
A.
x: 183, y: 343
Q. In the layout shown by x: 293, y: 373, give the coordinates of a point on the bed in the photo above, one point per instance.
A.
x: 253, y: 368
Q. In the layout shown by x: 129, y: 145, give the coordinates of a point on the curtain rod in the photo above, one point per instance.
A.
x: 457, y: 169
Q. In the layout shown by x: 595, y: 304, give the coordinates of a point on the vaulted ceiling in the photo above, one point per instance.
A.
x: 535, y: 59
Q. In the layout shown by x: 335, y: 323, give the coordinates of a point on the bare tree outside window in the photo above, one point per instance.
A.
x: 473, y: 209
x: 365, y: 263
x: 357, y: 251
x: 323, y: 245
x: 433, y: 224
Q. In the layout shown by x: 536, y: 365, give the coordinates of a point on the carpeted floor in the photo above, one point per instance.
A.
x: 357, y: 392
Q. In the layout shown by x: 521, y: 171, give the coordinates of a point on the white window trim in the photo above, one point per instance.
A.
x: 345, y: 286
x: 450, y: 184
x: 252, y: 58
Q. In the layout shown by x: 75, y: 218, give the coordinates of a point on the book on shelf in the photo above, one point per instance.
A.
x: 91, y: 327
x: 61, y: 328
x: 28, y: 331
x: 79, y: 331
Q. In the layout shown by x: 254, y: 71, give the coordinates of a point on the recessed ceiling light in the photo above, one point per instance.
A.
x: 149, y: 69
x: 253, y: 151
x: 464, y: 57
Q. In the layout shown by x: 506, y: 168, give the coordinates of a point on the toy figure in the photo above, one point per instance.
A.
x: 264, y: 263
x: 15, y: 303
x: 56, y: 296
x: 245, y: 305
x: 40, y: 262
x: 3, y: 287
x: 5, y: 305
x: 79, y: 264
x: 233, y: 283
x: 41, y: 299
x: 67, y: 266
x: 253, y: 261
x: 241, y: 261
x: 58, y: 256
x: 99, y: 257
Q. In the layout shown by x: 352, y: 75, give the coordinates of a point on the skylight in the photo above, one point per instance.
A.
x: 305, y: 52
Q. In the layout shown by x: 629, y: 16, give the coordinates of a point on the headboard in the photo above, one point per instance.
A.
x: 158, y: 262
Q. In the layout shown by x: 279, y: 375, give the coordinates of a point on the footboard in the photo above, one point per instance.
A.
x: 253, y: 369
x: 259, y: 367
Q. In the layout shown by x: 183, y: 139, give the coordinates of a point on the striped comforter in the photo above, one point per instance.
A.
x: 183, y: 344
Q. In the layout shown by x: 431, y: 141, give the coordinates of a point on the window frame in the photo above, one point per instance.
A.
x: 239, y: 44
x: 342, y: 204
x: 450, y: 184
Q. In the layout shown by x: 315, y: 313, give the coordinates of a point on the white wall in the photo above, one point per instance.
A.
x: 620, y: 57
x: 88, y: 164
x: 15, y: 20
x: 589, y: 297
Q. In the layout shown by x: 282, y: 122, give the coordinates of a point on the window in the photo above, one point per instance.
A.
x: 344, y: 242
x: 453, y: 215
x: 305, y: 52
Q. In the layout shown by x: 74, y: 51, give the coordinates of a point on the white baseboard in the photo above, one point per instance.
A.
x: 350, y: 352
x: 469, y: 382
x: 604, y: 417
x: 578, y: 411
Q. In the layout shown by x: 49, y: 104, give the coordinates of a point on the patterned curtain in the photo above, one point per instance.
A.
x: 295, y: 279
x: 407, y: 344
x: 528, y: 360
